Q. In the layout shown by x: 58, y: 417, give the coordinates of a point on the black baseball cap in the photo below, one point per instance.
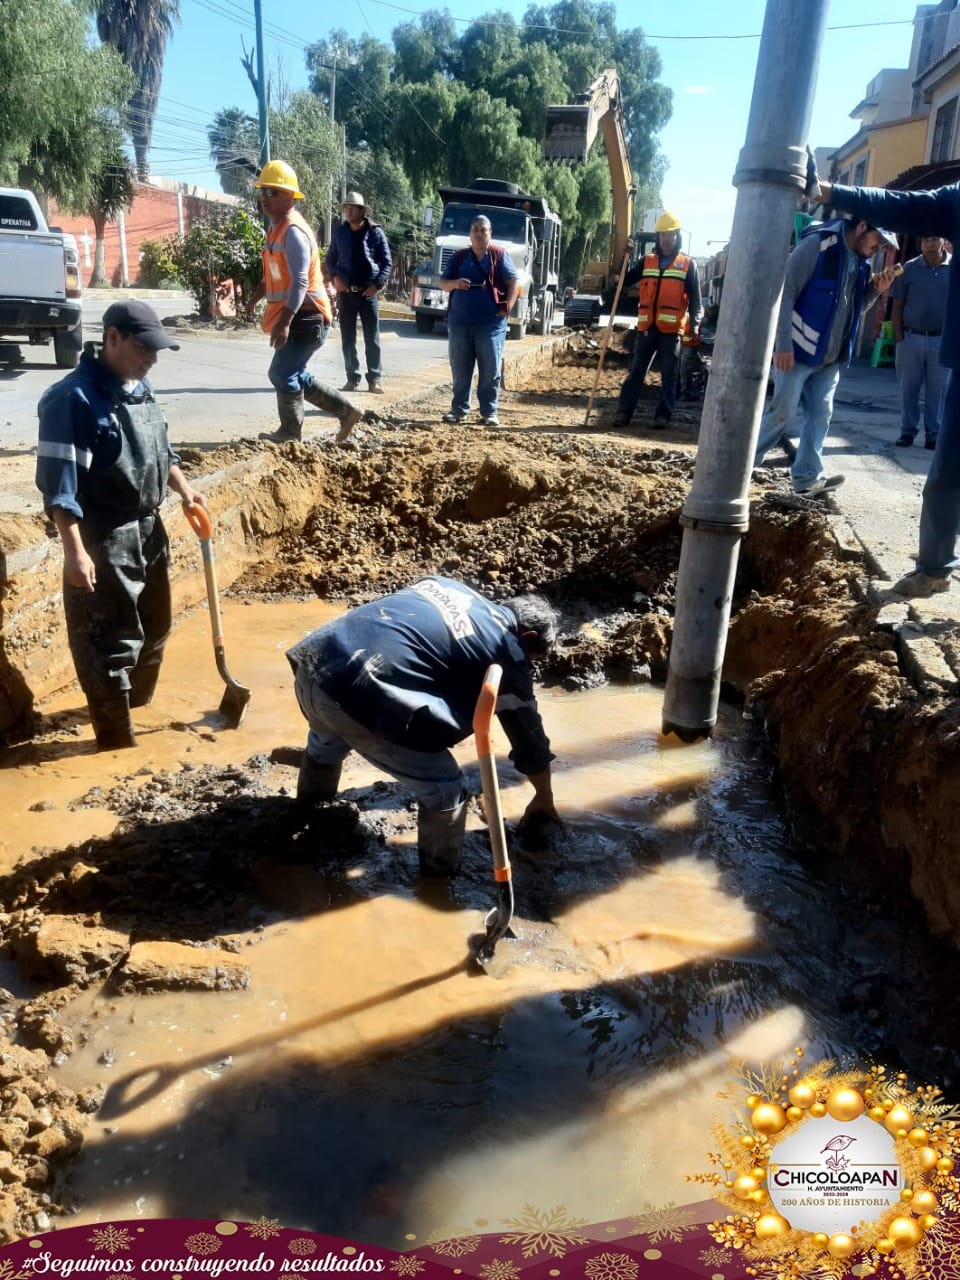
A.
x: 141, y: 322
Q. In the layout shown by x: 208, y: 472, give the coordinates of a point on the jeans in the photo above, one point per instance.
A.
x: 480, y: 345
x: 433, y: 776
x: 811, y: 389
x: 649, y: 342
x: 918, y: 365
x: 288, y: 368
x: 351, y: 306
x: 940, y: 513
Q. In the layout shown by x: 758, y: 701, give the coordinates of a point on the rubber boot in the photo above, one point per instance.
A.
x: 317, y: 782
x: 440, y: 839
x: 143, y: 682
x: 112, y: 724
x: 290, y: 409
x: 331, y: 401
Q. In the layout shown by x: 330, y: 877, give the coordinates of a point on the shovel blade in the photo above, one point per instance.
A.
x: 233, y: 704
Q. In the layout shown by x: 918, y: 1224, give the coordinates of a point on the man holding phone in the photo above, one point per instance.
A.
x: 483, y: 286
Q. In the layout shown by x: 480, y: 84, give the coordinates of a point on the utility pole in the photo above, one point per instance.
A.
x: 343, y: 163
x: 771, y: 174
x: 328, y: 217
x: 261, y: 88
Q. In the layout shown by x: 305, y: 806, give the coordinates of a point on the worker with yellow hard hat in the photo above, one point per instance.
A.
x: 298, y: 311
x: 669, y: 310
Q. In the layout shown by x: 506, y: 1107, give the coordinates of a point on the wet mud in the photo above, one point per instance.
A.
x: 672, y: 918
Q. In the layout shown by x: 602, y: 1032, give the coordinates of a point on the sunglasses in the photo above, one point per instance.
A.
x: 270, y: 192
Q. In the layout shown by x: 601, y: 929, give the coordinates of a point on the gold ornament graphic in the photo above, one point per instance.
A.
x: 454, y: 1242
x: 773, y: 1105
x: 408, y: 1266
x: 499, y: 1269
x: 302, y: 1246
x: 666, y: 1223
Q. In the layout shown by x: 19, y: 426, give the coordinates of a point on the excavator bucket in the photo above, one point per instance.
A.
x: 569, y: 132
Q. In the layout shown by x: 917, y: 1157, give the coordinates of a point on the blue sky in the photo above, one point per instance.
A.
x: 711, y: 78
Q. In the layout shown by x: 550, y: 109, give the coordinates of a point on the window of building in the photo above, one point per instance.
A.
x: 943, y: 131
x: 844, y: 178
x: 860, y: 172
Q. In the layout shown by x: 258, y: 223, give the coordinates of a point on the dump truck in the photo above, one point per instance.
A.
x: 523, y: 224
x: 571, y: 129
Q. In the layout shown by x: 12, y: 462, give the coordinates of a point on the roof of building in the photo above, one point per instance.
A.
x: 918, y: 177
x: 938, y: 62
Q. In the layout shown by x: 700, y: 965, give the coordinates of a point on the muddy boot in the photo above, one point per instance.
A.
x: 290, y: 409
x: 331, y: 401
x: 317, y: 782
x: 440, y: 839
x: 111, y: 723
x: 143, y: 682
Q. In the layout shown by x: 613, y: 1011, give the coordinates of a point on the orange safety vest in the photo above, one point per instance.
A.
x: 663, y: 295
x: 276, y: 273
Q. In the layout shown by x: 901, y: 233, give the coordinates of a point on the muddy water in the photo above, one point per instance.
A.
x: 369, y: 1082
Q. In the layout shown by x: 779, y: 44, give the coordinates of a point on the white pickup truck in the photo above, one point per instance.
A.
x: 40, y: 282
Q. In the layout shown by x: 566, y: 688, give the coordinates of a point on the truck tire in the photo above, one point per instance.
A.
x: 67, y: 346
x: 544, y: 323
x: 425, y: 323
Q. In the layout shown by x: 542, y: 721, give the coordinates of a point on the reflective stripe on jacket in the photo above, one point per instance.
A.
x: 817, y: 302
x: 663, y: 295
x: 276, y: 274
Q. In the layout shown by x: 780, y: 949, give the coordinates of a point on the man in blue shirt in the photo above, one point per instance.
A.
x: 103, y: 466
x: 924, y: 213
x: 483, y: 286
x: 397, y: 681
x: 919, y: 300
x: 359, y: 265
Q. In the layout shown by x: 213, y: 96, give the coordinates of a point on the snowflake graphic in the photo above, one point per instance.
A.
x: 665, y: 1223
x: 302, y: 1246
x: 611, y: 1266
x: 7, y: 1272
x: 544, y: 1231
x: 203, y: 1243
x: 950, y: 1199
x: 264, y: 1228
x: 453, y: 1243
x: 940, y: 1252
x: 715, y: 1257
x: 499, y: 1269
x: 111, y: 1239
x: 407, y: 1266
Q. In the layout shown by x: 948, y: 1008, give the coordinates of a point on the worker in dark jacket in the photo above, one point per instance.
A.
x: 924, y: 213
x: 103, y: 466
x: 397, y: 680
x: 359, y: 264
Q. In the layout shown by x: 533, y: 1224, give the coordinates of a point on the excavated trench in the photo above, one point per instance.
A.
x: 172, y: 914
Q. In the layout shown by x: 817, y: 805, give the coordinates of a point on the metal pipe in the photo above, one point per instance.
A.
x: 770, y: 175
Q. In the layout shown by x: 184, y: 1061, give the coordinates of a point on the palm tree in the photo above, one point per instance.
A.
x: 139, y: 30
x: 113, y: 190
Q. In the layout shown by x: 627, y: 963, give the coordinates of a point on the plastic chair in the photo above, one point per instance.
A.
x: 884, y: 350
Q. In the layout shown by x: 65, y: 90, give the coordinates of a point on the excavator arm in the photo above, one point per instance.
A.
x: 570, y: 132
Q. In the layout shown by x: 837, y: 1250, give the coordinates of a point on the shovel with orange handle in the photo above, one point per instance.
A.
x: 233, y: 704
x: 497, y: 921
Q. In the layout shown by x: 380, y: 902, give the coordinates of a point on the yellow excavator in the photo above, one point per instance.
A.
x: 570, y: 133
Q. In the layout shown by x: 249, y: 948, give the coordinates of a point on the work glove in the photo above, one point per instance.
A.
x: 812, y: 188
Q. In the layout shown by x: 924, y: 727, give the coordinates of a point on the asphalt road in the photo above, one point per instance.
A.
x: 215, y: 388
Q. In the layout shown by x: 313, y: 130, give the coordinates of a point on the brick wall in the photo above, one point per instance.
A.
x: 152, y: 216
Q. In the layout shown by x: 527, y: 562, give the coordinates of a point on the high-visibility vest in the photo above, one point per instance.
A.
x: 276, y: 272
x: 663, y: 295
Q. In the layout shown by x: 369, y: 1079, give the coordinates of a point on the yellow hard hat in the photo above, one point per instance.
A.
x: 668, y: 221
x: 277, y: 173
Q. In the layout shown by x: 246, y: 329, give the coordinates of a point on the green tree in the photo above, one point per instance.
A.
x: 139, y: 30
x: 54, y: 90
x: 488, y: 44
x: 363, y: 70
x: 224, y: 246
x: 422, y: 114
x: 431, y: 44
x: 303, y: 136
x: 114, y: 186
